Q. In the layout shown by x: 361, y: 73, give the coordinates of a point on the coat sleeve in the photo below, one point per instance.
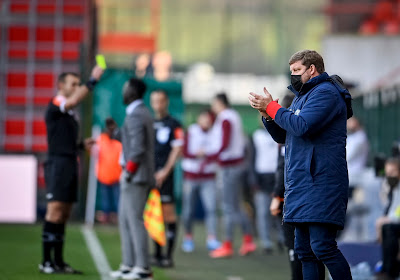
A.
x: 277, y: 133
x: 320, y: 108
x: 136, y: 135
x: 279, y: 188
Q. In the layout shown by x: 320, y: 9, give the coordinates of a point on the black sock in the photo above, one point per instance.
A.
x: 295, y: 265
x: 48, y: 240
x: 171, y: 236
x: 59, y: 244
x: 157, y: 251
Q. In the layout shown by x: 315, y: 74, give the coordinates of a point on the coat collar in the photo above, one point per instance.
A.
x: 310, y: 84
x: 132, y: 106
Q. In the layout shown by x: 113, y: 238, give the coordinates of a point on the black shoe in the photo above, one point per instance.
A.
x: 156, y: 261
x: 47, y: 268
x: 167, y: 263
x: 66, y: 269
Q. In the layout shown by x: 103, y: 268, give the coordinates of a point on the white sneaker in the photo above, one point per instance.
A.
x: 138, y: 273
x: 122, y: 270
x: 47, y: 268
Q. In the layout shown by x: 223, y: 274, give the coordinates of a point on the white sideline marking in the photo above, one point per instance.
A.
x: 97, y: 253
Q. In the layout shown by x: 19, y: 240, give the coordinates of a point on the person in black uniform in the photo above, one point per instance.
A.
x: 61, y: 168
x: 168, y: 148
x: 276, y: 208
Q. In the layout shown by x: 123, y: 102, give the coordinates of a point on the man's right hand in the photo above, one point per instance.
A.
x: 275, y: 207
x: 97, y: 72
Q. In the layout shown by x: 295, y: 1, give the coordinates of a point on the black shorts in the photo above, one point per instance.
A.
x: 61, y: 177
x: 167, y: 190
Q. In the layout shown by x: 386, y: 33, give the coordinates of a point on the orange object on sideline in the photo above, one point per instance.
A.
x: 108, y: 169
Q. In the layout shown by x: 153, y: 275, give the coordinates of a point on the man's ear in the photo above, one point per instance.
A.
x: 312, y: 69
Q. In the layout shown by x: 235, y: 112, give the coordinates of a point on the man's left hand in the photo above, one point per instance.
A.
x: 260, y: 102
x: 160, y: 176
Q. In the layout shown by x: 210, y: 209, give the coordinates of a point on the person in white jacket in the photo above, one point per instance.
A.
x: 199, y: 178
x: 357, y: 149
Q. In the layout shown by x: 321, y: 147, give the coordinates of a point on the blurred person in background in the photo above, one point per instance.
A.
x: 199, y: 178
x: 276, y: 208
x: 61, y: 168
x: 357, y: 149
x: 169, y: 138
x: 108, y: 171
x: 136, y: 180
x: 228, y: 134
x: 388, y: 226
x: 313, y: 130
x: 262, y: 169
x: 143, y: 66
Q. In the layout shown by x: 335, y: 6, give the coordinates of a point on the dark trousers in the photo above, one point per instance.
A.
x: 109, y: 197
x: 317, y: 241
x: 390, y: 249
x: 295, y: 263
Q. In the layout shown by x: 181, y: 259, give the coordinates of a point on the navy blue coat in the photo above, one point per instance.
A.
x: 313, y: 130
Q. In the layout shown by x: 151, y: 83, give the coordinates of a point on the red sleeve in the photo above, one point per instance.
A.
x: 186, y: 153
x: 273, y: 108
x: 131, y: 166
x: 226, y: 136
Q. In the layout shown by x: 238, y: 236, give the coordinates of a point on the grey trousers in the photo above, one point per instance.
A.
x: 134, y: 238
x: 232, y: 200
x: 208, y: 194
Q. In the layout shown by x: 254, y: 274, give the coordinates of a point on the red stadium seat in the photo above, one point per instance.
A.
x: 39, y: 147
x: 15, y: 127
x: 43, y: 80
x: 42, y: 54
x: 19, y: 8
x: 18, y: 53
x: 16, y: 96
x: 72, y: 34
x: 70, y: 53
x: 46, y: 8
x: 38, y: 127
x: 369, y: 27
x: 42, y: 100
x: 45, y: 34
x: 16, y: 80
x: 16, y: 100
x: 74, y: 9
x: 383, y: 10
x: 391, y: 27
x: 14, y: 147
x: 18, y: 34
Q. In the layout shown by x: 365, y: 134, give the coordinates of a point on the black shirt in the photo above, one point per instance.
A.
x: 169, y: 133
x: 62, y: 129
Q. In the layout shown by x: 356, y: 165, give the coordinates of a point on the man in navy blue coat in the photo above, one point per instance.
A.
x: 313, y: 130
